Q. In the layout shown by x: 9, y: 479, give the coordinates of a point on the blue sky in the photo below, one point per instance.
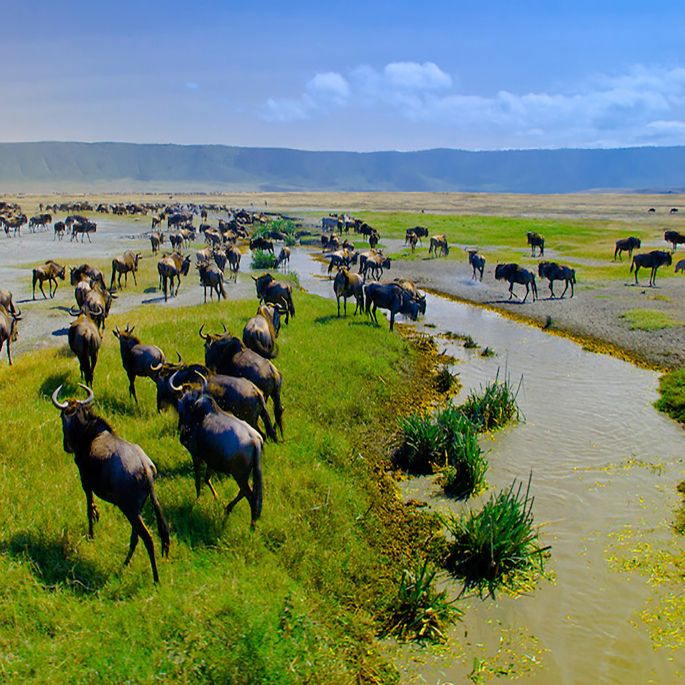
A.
x: 354, y: 75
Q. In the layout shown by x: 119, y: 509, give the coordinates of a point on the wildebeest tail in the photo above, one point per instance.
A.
x: 162, y: 525
x: 268, y: 426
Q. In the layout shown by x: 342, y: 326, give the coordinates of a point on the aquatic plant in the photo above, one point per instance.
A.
x: 419, y: 611
x: 445, y: 380
x: 263, y: 260
x: 494, y: 547
x: 421, y: 443
x: 672, y: 400
x: 465, y: 465
x: 494, y: 405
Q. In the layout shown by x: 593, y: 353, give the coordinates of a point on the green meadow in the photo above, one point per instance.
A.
x: 299, y: 600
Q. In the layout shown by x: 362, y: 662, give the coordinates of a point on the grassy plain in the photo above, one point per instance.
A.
x: 299, y: 600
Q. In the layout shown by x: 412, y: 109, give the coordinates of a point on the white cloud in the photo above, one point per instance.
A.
x: 643, y: 106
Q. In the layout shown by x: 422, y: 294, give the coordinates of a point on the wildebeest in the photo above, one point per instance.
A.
x: 262, y: 244
x: 283, y: 257
x: 84, y: 341
x: 9, y: 319
x: 227, y: 355
x: 84, y: 228
x: 346, y: 284
x: 652, y: 260
x: 275, y: 292
x: 172, y: 267
x: 97, y: 301
x: 156, y: 239
x: 123, y: 264
x: 674, y: 210
x: 418, y: 231
x: 115, y: 470
x: 627, y: 245
x: 50, y: 272
x: 60, y: 229
x: 554, y: 272
x: 85, y: 271
x: 374, y: 265
x: 438, y: 245
x: 392, y: 297
x: 261, y: 331
x: 138, y: 359
x: 477, y: 263
x: 413, y: 240
x: 536, y: 240
x: 213, y: 278
x: 6, y: 301
x: 225, y: 444
x: 233, y: 255
x: 237, y: 395
x: 516, y: 274
x: 675, y: 238
x: 680, y: 266
x: 410, y: 288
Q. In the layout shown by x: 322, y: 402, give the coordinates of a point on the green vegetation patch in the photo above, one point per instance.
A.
x: 493, y: 406
x: 672, y: 390
x: 649, y: 320
x: 298, y: 600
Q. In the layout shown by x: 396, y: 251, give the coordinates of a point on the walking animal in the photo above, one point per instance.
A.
x: 536, y: 240
x: 627, y: 245
x: 225, y: 444
x: 84, y: 341
x: 9, y: 319
x: 516, y: 274
x: 477, y: 262
x: 346, y: 284
x: 125, y: 263
x: 652, y: 260
x: 115, y: 470
x: 138, y: 359
x: 392, y: 297
x: 50, y: 272
x: 554, y: 272
x: 212, y: 277
x: 275, y: 292
x: 438, y: 245
x: 261, y: 331
x: 675, y: 238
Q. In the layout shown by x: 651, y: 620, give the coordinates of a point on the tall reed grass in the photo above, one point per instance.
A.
x: 493, y: 406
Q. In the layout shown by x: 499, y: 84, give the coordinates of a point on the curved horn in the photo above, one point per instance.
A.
x: 158, y: 367
x: 175, y: 388
x: 74, y: 313
x: 55, y: 401
x: 17, y: 314
x: 89, y: 399
x: 205, y: 337
x: 180, y: 359
x: 224, y: 325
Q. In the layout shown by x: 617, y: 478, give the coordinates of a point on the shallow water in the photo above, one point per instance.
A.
x: 602, y: 460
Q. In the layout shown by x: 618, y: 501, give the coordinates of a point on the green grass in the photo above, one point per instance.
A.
x: 263, y: 260
x: 299, y: 600
x: 649, y: 320
x: 495, y: 547
x: 672, y: 391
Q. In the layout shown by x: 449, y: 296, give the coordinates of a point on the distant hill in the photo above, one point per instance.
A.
x: 121, y: 167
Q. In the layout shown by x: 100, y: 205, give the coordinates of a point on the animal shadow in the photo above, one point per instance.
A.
x: 52, y: 382
x: 61, y: 332
x: 55, y: 562
x: 195, y: 525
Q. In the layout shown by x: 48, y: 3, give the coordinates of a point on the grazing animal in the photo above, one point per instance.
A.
x: 229, y: 356
x: 8, y: 326
x: 84, y: 341
x: 651, y: 210
x: 138, y: 359
x: 653, y: 260
x: 438, y: 245
x: 477, y: 262
x: 413, y: 240
x: 225, y: 444
x: 675, y: 238
x: 516, y: 274
x: 115, y: 470
x: 79, y: 273
x: 418, y: 232
x: 275, y: 292
x: 50, y: 272
x: 553, y: 272
x: 627, y: 245
x: 536, y: 240
x: 674, y: 210
x: 392, y: 297
x: 283, y: 257
x: 374, y: 265
x: 262, y: 244
x: 84, y: 228
x: 410, y: 288
x: 213, y: 278
x: 60, y: 229
x: 122, y: 265
x: 6, y: 301
x: 680, y: 266
x: 261, y: 331
x: 346, y: 284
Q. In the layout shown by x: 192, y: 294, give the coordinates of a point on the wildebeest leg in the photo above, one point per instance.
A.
x: 140, y: 529
x: 9, y: 358
x: 132, y: 386
x: 208, y: 475
x: 132, y: 545
x: 527, y: 291
x: 637, y: 268
x: 93, y: 515
x: 511, y: 291
x: 566, y: 288
x: 392, y: 318
x: 40, y: 285
x: 551, y: 288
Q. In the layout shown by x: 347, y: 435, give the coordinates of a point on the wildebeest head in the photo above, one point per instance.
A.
x: 220, y: 347
x: 76, y: 417
x: 262, y: 283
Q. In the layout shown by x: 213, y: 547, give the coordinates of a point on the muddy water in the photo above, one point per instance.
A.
x: 603, y: 461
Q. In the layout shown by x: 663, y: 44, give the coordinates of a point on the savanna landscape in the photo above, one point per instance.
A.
x: 356, y: 570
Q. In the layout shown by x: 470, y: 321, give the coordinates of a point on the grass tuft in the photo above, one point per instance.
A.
x: 493, y: 406
x: 494, y: 547
x: 419, y: 612
x: 649, y: 320
x: 263, y: 260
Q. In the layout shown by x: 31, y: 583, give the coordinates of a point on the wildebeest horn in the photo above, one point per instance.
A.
x: 89, y: 399
x: 224, y: 325
x: 57, y: 404
x: 205, y: 337
x: 171, y: 383
x: 158, y: 367
x: 74, y: 313
x: 17, y: 314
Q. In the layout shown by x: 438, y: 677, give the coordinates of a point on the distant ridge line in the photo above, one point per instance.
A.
x: 138, y: 167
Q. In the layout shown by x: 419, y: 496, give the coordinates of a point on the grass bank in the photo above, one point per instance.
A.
x: 300, y: 600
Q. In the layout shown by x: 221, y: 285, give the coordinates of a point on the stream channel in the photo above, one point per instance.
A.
x: 605, y: 465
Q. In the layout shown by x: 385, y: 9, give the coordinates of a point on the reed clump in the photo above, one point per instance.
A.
x: 263, y: 260
x: 497, y: 546
x: 493, y: 406
x: 419, y: 612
